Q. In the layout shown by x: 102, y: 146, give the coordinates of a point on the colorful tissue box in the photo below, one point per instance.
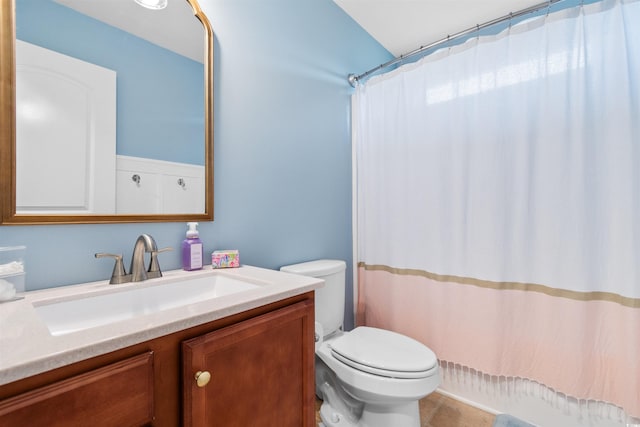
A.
x: 225, y: 259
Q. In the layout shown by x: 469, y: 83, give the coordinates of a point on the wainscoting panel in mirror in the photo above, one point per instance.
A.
x: 151, y: 106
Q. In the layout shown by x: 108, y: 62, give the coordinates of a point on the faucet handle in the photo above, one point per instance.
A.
x: 154, y: 267
x: 119, y: 275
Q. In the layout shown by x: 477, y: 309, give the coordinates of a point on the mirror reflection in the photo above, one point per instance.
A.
x: 110, y: 108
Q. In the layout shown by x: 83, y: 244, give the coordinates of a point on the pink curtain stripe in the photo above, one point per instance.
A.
x: 585, y: 349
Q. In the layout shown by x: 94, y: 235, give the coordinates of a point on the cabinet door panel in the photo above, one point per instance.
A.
x: 261, y: 372
x: 117, y: 395
x: 66, y: 129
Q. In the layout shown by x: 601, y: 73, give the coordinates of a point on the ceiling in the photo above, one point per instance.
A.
x: 174, y: 28
x: 402, y: 26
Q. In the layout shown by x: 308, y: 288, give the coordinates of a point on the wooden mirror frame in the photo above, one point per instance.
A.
x: 8, y: 215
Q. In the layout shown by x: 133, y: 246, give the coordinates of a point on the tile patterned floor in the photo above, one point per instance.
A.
x: 437, y: 410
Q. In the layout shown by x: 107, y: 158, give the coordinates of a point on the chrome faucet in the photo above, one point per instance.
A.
x: 145, y: 243
x: 137, y: 272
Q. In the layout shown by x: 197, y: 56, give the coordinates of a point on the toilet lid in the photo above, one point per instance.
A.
x: 385, y: 353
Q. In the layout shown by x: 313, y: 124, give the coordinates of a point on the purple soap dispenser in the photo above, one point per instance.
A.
x: 192, y: 249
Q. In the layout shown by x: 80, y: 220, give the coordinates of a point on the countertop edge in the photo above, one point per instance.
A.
x: 121, y: 337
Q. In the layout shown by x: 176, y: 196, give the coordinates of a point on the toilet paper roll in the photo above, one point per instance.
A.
x: 319, y: 334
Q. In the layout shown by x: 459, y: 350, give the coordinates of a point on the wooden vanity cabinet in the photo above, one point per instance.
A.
x: 255, y: 372
x: 118, y: 394
x: 261, y: 365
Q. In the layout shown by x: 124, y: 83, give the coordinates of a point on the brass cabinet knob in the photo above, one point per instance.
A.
x: 202, y: 378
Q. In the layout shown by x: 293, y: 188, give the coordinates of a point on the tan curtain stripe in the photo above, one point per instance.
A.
x: 529, y: 287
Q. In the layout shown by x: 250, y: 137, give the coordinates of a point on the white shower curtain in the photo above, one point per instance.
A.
x: 498, y: 202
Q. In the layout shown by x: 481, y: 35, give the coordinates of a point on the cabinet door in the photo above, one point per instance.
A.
x: 117, y: 395
x: 262, y: 372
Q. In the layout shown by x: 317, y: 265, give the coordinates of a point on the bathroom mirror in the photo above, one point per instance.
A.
x: 154, y: 112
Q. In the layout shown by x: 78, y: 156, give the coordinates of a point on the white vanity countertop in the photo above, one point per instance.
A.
x: 27, y: 347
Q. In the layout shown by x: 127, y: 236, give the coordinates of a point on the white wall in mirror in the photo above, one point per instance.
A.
x: 159, y: 187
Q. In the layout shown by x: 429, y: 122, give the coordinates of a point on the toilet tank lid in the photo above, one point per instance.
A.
x: 318, y: 268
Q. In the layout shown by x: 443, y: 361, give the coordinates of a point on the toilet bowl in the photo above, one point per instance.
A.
x: 367, y: 377
x: 386, y: 373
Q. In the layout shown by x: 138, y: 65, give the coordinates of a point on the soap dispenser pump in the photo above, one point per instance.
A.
x: 192, y: 249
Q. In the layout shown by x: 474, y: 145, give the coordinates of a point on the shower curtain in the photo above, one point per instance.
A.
x: 498, y: 202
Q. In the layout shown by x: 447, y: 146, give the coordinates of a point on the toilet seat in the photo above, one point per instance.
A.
x: 384, y: 353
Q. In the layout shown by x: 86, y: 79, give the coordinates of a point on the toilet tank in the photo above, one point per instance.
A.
x: 329, y: 300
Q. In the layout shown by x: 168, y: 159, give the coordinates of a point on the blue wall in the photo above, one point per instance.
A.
x: 282, y: 149
x: 159, y: 99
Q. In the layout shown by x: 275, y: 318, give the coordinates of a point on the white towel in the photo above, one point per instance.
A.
x: 13, y: 267
x: 7, y: 290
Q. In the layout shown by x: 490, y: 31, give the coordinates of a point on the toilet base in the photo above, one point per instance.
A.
x: 403, y: 415
x: 341, y: 409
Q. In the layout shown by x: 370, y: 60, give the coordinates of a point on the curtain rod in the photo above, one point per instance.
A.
x: 354, y: 79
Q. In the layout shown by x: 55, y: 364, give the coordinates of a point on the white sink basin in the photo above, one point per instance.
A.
x: 64, y: 317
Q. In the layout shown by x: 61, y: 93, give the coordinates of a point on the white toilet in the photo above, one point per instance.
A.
x: 367, y: 377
